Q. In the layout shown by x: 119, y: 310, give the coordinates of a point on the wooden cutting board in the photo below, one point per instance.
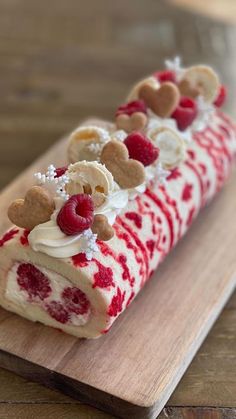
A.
x: 132, y: 371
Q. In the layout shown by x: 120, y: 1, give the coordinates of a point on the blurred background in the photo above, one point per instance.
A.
x: 62, y: 61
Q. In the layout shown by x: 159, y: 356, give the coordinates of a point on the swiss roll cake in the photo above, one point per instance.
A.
x: 88, y: 236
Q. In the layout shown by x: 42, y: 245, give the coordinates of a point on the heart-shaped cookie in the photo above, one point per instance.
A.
x: 36, y: 208
x: 186, y: 89
x: 162, y: 101
x: 102, y: 228
x: 134, y: 122
x: 128, y: 173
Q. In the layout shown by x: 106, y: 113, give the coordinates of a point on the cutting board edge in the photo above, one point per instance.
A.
x: 76, y: 389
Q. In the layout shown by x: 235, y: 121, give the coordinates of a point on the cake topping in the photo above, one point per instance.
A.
x: 136, y: 121
x: 92, y: 178
x: 36, y: 208
x: 162, y: 101
x: 128, y: 173
x: 172, y: 147
x: 165, y: 75
x: 187, y: 90
x: 54, y: 180
x: 222, y: 93
x: 150, y: 81
x: 49, y: 239
x: 60, y: 171
x: 200, y: 80
x: 185, y: 113
x: 86, y: 143
x: 141, y: 148
x: 102, y: 228
x: 76, y: 215
x: 132, y: 107
x: 175, y: 66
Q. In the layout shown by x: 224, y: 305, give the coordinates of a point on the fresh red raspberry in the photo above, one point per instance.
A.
x: 220, y: 100
x: 185, y: 113
x: 141, y: 148
x: 57, y: 312
x: 75, y: 300
x: 166, y: 75
x: 60, y: 171
x: 32, y: 280
x: 131, y: 107
x: 76, y: 215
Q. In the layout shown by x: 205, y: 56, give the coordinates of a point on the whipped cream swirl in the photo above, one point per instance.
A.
x: 48, y: 238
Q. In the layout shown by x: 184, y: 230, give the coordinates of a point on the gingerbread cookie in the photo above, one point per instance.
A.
x: 162, y: 101
x: 36, y: 208
x: 128, y: 173
x: 102, y: 228
x: 135, y: 122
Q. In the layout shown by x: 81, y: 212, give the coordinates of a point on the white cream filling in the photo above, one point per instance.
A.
x: 57, y: 283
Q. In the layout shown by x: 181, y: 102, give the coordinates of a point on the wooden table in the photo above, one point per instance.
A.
x: 62, y: 61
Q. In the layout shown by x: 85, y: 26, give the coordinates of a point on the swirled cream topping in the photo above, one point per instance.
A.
x: 115, y: 202
x: 48, y: 238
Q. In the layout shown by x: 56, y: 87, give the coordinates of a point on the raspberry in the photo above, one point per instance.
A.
x: 75, y: 300
x: 220, y: 100
x: 141, y: 148
x: 57, y: 312
x: 131, y: 107
x: 60, y: 171
x: 185, y: 113
x: 76, y: 215
x: 166, y: 75
x: 32, y: 280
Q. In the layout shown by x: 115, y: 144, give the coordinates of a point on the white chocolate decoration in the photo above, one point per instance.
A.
x: 86, y: 143
x: 89, y: 177
x: 205, y: 80
x: 172, y: 147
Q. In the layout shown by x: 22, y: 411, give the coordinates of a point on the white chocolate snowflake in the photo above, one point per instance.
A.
x: 54, y: 183
x: 89, y: 245
x: 175, y: 66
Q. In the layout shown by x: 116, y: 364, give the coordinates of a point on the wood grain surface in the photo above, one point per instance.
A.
x: 75, y: 58
x: 219, y: 9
